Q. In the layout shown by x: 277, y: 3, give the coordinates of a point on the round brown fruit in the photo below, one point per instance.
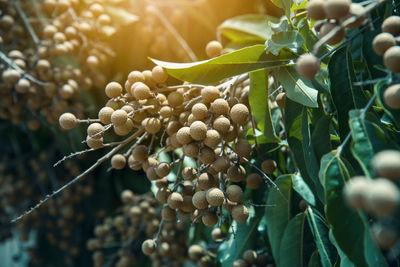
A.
x: 308, y: 66
x: 240, y: 213
x: 391, y: 25
x: 391, y: 59
x: 214, y: 49
x: 336, y: 9
x: 336, y: 38
x: 383, y: 42
x: 315, y: 9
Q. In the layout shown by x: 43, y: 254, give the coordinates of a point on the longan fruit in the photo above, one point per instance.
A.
x: 113, y: 89
x: 94, y: 143
x: 385, y: 237
x: 387, y: 163
x: 140, y: 153
x: 250, y: 256
x: 383, y: 42
x: 205, y: 181
x: 239, y: 263
x: 191, y: 150
x: 187, y: 205
x: 240, y: 213
x: 308, y: 66
x: 239, y: 114
x: 175, y: 99
x: 67, y: 121
x: 209, y: 94
x: 209, y: 219
x: 207, y: 155
x: 95, y: 130
x: 140, y: 91
x: 148, y: 77
x: 215, y: 197
x: 221, y: 164
x: 163, y: 182
x: 22, y: 86
x: 336, y: 38
x: 316, y: 10
x: 355, y: 10
x: 168, y: 214
x: 175, y: 200
x: 11, y: 76
x: 336, y: 9
x: 188, y: 173
x: 254, y: 181
x: 213, y: 138
x: 383, y: 197
x: 119, y: 117
x: 166, y: 112
x: 153, y: 125
x: 151, y: 174
x: 221, y: 124
x: 163, y: 169
x: 268, y: 166
x: 356, y: 190
x: 236, y: 173
x: 172, y: 127
x: 217, y: 234
x: 183, y: 135
x: 234, y: 193
x: 148, y: 247
x: 118, y: 161
x: 195, y: 252
x: 127, y: 196
x: 163, y: 194
x: 159, y: 74
x: 198, y: 130
x: 199, y: 111
x: 135, y: 76
x: 281, y: 100
x: 199, y: 200
x: 213, y: 49
x: 391, y: 59
x: 391, y: 25
x: 243, y: 148
x: 220, y: 106
x: 391, y: 96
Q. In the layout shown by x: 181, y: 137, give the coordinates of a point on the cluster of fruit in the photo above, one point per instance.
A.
x: 386, y: 44
x: 252, y: 258
x: 52, y: 58
x: 138, y: 219
x: 380, y: 196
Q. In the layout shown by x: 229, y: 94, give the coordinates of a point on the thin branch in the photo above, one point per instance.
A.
x: 28, y: 26
x: 80, y: 176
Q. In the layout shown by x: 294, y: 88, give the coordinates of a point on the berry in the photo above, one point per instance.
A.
x: 175, y: 200
x: 127, y: 196
x: 168, y: 214
x: 383, y: 42
x: 268, y: 166
x: 105, y: 115
x: 209, y: 219
x: 385, y: 237
x: 140, y: 152
x: 118, y: 161
x: 163, y: 169
x: 383, y: 197
x: 195, y: 252
x: 67, y: 121
x: 209, y: 94
x: 140, y: 91
x: 239, y: 114
x: 94, y: 143
x: 119, y: 117
x: 148, y: 247
x: 315, y: 9
x: 240, y: 213
x: 215, y: 197
x: 391, y: 59
x: 213, y: 49
x: 159, y: 74
x: 175, y: 99
x: 183, y: 135
x: 250, y: 256
x: 391, y: 25
x: 220, y: 106
x: 199, y: 200
x: 113, y: 89
x: 336, y: 38
x: 234, y: 193
x: 163, y: 194
x: 254, y: 181
x: 336, y: 9
x: 308, y: 66
x: 205, y: 181
x: 236, y: 173
x: 95, y: 130
x: 221, y: 124
x: 221, y: 164
x: 387, y: 163
x: 243, y: 148
x: 136, y: 76
x: 207, y: 155
x: 198, y: 130
x: 213, y: 138
x: 199, y: 111
x: 355, y: 10
x: 187, y: 205
x: 153, y: 125
x: 355, y: 191
x: 217, y: 234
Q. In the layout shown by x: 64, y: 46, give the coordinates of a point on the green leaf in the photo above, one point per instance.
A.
x: 119, y: 15
x: 310, y: 39
x: 320, y: 230
x: 290, y: 40
x: 349, y: 227
x: 297, y: 89
x: 344, y: 260
x: 244, y: 238
x: 259, y: 104
x: 303, y: 189
x: 216, y: 69
x: 296, y: 246
x: 368, y: 139
x: 278, y: 213
x: 314, y: 260
x: 248, y: 28
x: 284, y: 4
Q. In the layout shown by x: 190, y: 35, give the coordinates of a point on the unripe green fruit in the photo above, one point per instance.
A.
x: 198, y: 130
x: 254, y: 181
x: 240, y: 213
x: 308, y: 66
x: 215, y: 197
x: 387, y: 163
x: 336, y: 9
x: 118, y: 161
x: 113, y: 89
x: 383, y: 42
x: 148, y: 247
x: 213, y: 49
x: 234, y: 193
x: 316, y: 10
x: 239, y: 114
x: 175, y: 200
x: 391, y: 25
x: 391, y: 59
x: 199, y: 200
x: 67, y: 121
